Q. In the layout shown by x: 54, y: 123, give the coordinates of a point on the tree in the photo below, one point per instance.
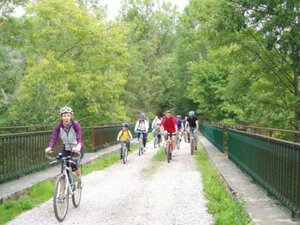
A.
x: 73, y: 59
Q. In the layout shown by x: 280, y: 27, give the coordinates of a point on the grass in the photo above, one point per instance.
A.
x: 159, y: 157
x: 36, y: 195
x: 221, y: 204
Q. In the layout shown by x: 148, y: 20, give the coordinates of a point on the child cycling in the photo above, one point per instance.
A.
x: 124, y: 136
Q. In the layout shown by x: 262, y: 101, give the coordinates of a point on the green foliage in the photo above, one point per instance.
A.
x: 73, y: 60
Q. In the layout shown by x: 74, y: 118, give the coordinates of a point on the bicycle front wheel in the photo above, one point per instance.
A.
x: 168, y: 151
x: 192, y: 146
x: 76, y: 197
x: 124, y: 154
x: 61, y: 198
x: 140, y: 146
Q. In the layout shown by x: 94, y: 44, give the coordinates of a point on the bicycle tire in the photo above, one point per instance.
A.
x: 140, y: 146
x: 155, y: 143
x: 168, y: 152
x: 76, y: 196
x: 124, y: 154
x: 192, y: 146
x: 56, y: 194
x: 178, y: 144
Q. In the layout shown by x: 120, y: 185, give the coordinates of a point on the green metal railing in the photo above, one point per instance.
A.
x: 23, y: 153
x: 275, y: 164
x: 214, y: 134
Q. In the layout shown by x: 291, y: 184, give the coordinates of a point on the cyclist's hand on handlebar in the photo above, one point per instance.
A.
x: 48, y: 150
x: 76, y: 148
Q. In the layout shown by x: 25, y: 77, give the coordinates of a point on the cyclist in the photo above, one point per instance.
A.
x: 70, y: 132
x: 124, y: 136
x: 156, y: 128
x: 169, y: 125
x: 141, y: 128
x: 180, y: 126
x: 193, y: 124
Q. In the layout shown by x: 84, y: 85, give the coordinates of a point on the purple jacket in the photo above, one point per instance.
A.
x: 60, y: 127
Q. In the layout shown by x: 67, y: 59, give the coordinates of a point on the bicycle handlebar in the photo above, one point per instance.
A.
x: 60, y: 158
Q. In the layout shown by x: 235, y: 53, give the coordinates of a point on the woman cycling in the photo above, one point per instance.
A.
x: 70, y: 132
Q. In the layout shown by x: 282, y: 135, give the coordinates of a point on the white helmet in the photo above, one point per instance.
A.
x: 66, y: 109
x: 191, y: 113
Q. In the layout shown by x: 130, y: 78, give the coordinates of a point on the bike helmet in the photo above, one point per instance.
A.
x: 191, y: 113
x: 178, y: 116
x: 66, y: 109
x: 142, y: 115
x: 125, y: 125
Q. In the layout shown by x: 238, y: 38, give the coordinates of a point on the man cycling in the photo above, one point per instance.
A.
x: 70, y: 132
x: 169, y: 125
x: 141, y: 128
x: 193, y: 124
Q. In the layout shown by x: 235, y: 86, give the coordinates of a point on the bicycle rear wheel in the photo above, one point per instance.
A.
x: 76, y: 197
x: 61, y: 198
x: 124, y: 154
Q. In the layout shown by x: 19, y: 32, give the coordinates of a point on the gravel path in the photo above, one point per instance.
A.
x: 130, y: 194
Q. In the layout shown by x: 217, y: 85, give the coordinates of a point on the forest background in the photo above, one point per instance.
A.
x: 231, y: 61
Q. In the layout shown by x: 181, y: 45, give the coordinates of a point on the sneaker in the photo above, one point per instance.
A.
x: 196, y: 148
x: 79, y: 185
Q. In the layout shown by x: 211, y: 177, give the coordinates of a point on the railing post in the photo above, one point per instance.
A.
x: 223, y: 141
x: 93, y: 135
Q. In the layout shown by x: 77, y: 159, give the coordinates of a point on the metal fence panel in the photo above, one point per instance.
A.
x: 273, y: 163
x: 214, y: 134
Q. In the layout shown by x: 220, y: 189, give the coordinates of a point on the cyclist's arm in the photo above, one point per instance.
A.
x: 119, y: 134
x: 197, y: 124
x: 130, y: 135
x: 78, y: 131
x: 136, y: 126
x: 54, y: 136
x: 146, y: 126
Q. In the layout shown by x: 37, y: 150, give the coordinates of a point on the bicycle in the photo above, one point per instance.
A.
x: 65, y: 185
x: 168, y: 149
x: 124, y: 151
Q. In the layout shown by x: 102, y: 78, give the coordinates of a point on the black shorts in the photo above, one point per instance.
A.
x: 78, y: 161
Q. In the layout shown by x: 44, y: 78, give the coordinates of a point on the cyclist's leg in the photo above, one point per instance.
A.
x: 144, y: 139
x: 78, y: 169
x: 128, y: 145
x: 195, y: 137
x: 173, y: 141
x: 121, y: 148
x: 158, y: 138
